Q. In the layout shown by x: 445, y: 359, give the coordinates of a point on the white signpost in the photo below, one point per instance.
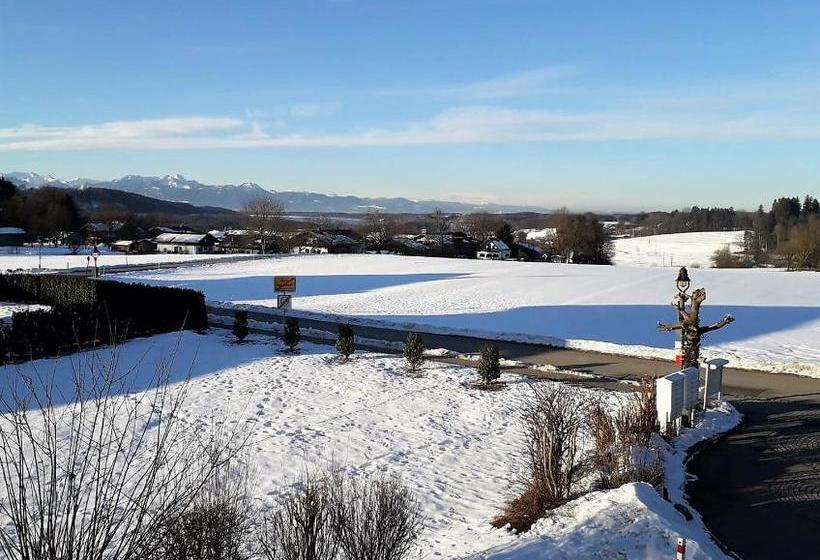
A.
x: 670, y: 399
x: 714, y: 380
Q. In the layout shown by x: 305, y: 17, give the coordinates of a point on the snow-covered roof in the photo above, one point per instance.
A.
x: 497, y: 245
x: 122, y: 243
x: 12, y: 231
x: 183, y: 238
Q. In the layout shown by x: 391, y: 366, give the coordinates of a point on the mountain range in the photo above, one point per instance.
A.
x: 176, y: 188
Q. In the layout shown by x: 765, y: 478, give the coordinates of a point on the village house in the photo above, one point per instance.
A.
x: 95, y: 233
x: 12, y: 236
x: 134, y: 247
x: 494, y: 250
x: 322, y: 241
x: 185, y: 243
x: 240, y: 241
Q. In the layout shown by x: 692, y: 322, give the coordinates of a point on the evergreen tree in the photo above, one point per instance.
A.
x: 345, y: 342
x: 489, y: 366
x: 292, y: 334
x: 240, y: 325
x: 414, y: 351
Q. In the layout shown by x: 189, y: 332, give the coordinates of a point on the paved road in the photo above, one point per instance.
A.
x: 758, y: 489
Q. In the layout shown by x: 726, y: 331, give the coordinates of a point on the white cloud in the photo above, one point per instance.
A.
x: 473, y: 124
x: 519, y: 84
x: 294, y: 111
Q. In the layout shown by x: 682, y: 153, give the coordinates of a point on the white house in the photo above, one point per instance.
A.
x: 185, y: 243
x: 494, y: 250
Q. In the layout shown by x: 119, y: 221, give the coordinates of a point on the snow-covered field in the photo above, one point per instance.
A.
x: 456, y: 448
x: 60, y: 258
x: 606, y: 308
x: 676, y: 249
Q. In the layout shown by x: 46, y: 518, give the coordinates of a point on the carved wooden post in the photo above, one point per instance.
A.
x: 691, y: 329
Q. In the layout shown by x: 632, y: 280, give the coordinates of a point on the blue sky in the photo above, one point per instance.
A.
x: 591, y: 105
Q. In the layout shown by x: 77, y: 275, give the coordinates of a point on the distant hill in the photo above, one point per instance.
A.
x: 95, y: 198
x: 177, y: 188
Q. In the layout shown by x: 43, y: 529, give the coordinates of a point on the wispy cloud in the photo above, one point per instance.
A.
x: 459, y: 125
x: 740, y: 111
x: 520, y: 84
x: 294, y: 111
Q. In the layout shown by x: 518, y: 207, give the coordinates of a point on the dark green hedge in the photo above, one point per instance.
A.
x: 86, y: 312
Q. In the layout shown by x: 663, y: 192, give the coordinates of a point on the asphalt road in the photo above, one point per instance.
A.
x: 758, y: 488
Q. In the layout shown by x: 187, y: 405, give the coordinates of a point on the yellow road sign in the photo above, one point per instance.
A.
x: 284, y: 283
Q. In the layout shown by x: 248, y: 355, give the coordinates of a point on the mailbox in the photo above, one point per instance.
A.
x: 714, y: 380
x: 691, y: 387
x: 670, y: 398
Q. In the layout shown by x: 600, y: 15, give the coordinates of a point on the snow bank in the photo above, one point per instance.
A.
x: 632, y: 521
x: 610, y: 309
x: 676, y: 249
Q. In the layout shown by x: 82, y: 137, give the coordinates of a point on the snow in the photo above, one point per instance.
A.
x: 454, y: 446
x: 458, y: 449
x: 676, y: 249
x: 59, y: 258
x: 630, y: 522
x: 8, y: 309
x: 610, y: 309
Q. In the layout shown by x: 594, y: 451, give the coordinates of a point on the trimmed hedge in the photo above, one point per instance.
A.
x: 86, y: 312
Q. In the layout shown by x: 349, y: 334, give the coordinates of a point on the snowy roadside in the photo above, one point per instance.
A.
x: 632, y: 521
x: 633, y: 350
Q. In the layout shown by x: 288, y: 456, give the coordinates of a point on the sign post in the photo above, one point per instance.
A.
x: 284, y: 286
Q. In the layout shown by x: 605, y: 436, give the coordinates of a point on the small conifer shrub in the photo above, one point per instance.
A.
x: 345, y: 342
x: 291, y: 334
x: 414, y: 351
x: 240, y: 325
x: 489, y: 365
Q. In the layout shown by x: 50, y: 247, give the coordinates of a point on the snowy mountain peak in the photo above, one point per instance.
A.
x: 178, y: 188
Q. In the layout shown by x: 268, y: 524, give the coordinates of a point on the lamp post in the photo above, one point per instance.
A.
x: 682, y: 283
x: 689, y: 320
x: 95, y: 254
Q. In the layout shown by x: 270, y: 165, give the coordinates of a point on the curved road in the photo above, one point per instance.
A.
x: 757, y: 489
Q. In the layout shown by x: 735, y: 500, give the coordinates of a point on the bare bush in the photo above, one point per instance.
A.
x: 552, y: 420
x: 326, y: 517
x: 623, y: 449
x: 301, y: 528
x: 219, y: 523
x: 91, y: 469
x: 376, y: 519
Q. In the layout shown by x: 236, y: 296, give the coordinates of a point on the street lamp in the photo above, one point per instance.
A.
x: 683, y: 280
x: 95, y: 254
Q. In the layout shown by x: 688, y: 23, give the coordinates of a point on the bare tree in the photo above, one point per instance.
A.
x: 691, y: 329
x: 378, y: 228
x: 440, y: 224
x: 265, y: 215
x: 94, y: 470
x: 480, y: 225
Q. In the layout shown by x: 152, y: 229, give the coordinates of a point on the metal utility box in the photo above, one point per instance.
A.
x: 691, y: 387
x: 670, y: 390
x: 714, y: 380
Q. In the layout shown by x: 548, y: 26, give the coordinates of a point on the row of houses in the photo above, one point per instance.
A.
x: 453, y: 244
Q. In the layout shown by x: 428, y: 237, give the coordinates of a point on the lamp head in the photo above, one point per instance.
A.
x: 683, y: 281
